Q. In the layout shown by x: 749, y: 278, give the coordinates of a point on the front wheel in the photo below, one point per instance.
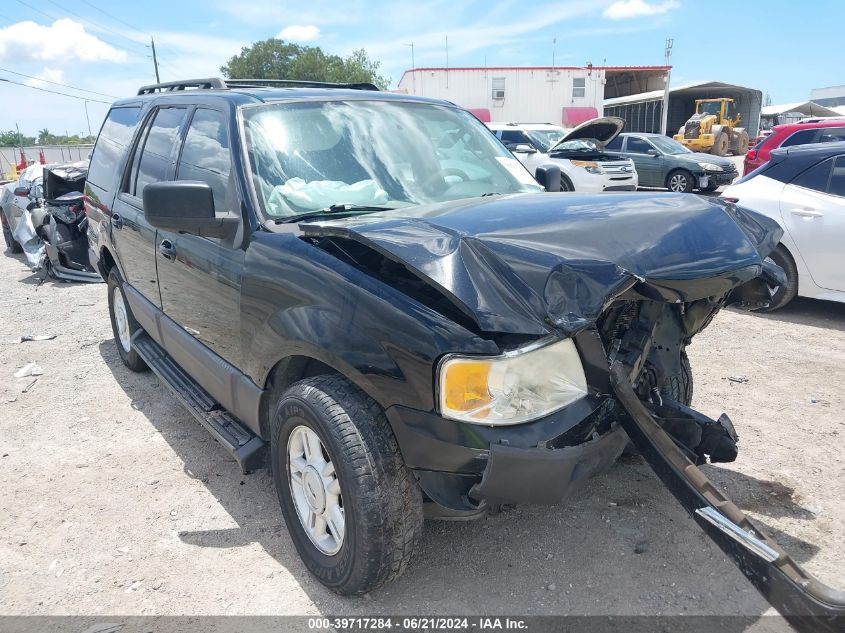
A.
x: 679, y: 181
x: 352, y: 507
x: 566, y: 184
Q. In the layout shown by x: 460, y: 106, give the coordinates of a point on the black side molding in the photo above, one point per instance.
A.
x: 806, y: 602
x: 246, y: 447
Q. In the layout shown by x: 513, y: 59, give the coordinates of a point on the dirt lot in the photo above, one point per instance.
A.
x: 114, y: 500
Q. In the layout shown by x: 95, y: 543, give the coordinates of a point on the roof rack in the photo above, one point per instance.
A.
x: 216, y: 83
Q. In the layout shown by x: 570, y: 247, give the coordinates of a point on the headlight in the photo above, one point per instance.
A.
x: 709, y: 167
x: 591, y: 166
x: 515, y: 387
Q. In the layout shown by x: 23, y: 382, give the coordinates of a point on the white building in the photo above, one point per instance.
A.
x: 563, y: 95
x: 832, y: 96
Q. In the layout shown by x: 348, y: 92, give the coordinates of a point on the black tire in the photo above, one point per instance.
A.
x: 742, y: 144
x: 11, y: 243
x: 680, y: 181
x: 721, y: 145
x: 566, y: 184
x: 129, y: 357
x: 788, y: 291
x: 381, y: 500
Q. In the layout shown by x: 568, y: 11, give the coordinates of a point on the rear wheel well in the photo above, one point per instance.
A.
x: 284, y: 373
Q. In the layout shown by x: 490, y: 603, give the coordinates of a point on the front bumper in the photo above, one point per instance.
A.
x: 717, y: 178
x: 807, y: 603
x: 546, y: 476
x: 585, y: 182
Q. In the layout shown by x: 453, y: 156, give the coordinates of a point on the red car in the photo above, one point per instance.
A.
x: 793, y: 134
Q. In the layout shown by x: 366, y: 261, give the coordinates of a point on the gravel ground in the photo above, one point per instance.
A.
x: 115, y: 501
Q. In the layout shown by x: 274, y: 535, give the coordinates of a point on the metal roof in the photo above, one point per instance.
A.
x: 810, y: 108
x: 655, y: 95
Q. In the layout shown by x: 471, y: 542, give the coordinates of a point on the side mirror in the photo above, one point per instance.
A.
x: 653, y: 152
x: 548, y: 177
x: 21, y: 191
x: 523, y: 148
x: 185, y: 206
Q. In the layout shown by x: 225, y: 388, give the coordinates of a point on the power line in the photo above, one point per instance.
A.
x: 115, y: 18
x: 95, y: 24
x: 53, y: 17
x: 56, y: 83
x: 55, y: 92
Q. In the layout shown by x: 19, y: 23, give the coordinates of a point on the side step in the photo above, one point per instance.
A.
x: 246, y: 447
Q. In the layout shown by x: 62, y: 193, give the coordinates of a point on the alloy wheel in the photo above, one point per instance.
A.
x: 315, y: 489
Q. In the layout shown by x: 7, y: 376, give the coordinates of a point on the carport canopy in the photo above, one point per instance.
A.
x: 641, y: 112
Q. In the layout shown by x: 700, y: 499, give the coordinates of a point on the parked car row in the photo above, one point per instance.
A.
x: 597, y: 157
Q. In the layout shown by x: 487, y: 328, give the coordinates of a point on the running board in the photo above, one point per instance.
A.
x: 806, y: 602
x: 246, y: 447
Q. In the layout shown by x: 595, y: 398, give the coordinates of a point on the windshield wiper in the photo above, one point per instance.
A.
x: 353, y: 209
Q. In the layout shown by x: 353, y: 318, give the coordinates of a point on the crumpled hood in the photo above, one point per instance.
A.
x: 700, y: 157
x: 540, y: 263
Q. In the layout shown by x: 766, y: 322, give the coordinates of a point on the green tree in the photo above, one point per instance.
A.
x: 12, y: 138
x: 45, y: 138
x: 277, y: 59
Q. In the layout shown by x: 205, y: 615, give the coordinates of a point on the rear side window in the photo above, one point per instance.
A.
x: 615, y: 144
x: 514, y: 137
x: 831, y: 134
x: 801, y: 137
x: 115, y: 136
x: 815, y: 177
x: 837, y: 178
x: 205, y: 155
x: 153, y: 154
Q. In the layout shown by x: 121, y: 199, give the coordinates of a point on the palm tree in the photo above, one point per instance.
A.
x: 44, y: 136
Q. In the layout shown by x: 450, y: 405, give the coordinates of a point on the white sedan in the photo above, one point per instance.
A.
x: 803, y: 188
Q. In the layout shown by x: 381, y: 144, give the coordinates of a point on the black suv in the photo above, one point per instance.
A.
x: 368, y: 290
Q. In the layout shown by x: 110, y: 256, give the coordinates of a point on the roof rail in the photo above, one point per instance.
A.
x: 200, y: 84
x: 216, y: 83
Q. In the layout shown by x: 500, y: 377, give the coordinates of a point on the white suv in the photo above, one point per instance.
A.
x: 584, y: 165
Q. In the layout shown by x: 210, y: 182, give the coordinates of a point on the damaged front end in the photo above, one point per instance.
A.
x: 630, y: 279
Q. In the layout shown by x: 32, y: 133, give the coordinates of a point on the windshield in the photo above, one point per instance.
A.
x: 545, y: 139
x: 668, y: 146
x: 710, y: 107
x: 308, y: 157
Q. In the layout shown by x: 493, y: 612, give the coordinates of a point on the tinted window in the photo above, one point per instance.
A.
x: 638, y: 145
x: 837, y: 178
x: 831, y: 134
x: 816, y: 177
x: 155, y: 150
x: 514, y: 136
x: 205, y: 155
x: 801, y: 137
x: 615, y: 144
x: 115, y: 135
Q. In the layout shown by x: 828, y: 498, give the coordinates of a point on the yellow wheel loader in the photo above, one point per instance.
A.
x: 714, y: 128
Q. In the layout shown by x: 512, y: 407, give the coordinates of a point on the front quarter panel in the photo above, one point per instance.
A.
x: 297, y: 299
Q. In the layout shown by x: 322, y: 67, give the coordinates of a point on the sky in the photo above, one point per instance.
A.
x: 781, y: 48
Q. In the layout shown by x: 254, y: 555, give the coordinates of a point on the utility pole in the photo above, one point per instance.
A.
x: 155, y: 59
x: 664, y: 114
x: 87, y: 118
x: 413, y: 67
x: 554, y: 50
x: 447, y: 61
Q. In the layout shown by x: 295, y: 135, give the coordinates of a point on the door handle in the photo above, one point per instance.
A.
x: 167, y: 250
x: 116, y: 221
x: 806, y: 213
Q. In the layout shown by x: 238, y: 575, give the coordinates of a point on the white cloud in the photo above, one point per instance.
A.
x: 299, y: 33
x: 65, y: 40
x: 49, y: 74
x: 624, y: 9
